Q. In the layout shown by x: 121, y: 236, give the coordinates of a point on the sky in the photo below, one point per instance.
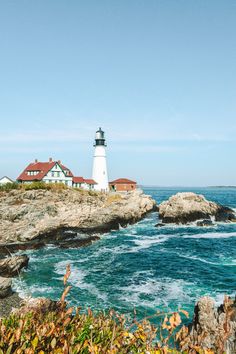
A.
x: 159, y: 76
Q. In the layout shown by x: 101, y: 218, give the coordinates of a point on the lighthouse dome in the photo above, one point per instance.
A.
x: 100, y: 138
x: 100, y: 134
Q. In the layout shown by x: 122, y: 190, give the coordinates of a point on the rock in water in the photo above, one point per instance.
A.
x: 10, y: 267
x: 5, y: 287
x: 186, y: 207
x: 205, y: 222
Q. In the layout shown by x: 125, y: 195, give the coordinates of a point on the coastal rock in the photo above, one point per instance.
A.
x: 38, y: 305
x: 213, y: 328
x: 5, y: 287
x: 10, y: 267
x: 33, y: 218
x: 205, y: 222
x: 7, y: 304
x: 187, y: 207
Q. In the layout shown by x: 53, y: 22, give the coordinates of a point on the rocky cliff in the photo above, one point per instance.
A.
x: 36, y: 217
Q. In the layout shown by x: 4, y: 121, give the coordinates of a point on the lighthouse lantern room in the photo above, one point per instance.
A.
x: 99, y: 162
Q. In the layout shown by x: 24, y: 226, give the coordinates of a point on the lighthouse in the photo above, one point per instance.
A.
x: 100, y: 163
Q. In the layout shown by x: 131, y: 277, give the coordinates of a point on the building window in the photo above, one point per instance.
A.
x: 52, y: 174
x: 58, y: 174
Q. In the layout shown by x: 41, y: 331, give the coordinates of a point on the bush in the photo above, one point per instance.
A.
x: 9, y: 186
x: 42, y: 185
x: 33, y: 185
x: 65, y: 330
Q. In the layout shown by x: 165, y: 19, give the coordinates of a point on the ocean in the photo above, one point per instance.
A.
x: 142, y: 267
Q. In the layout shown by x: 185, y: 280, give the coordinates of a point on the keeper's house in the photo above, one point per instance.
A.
x: 122, y: 185
x: 5, y: 180
x: 53, y: 172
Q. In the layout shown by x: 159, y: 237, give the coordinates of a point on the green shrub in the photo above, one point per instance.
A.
x: 9, y: 186
x: 42, y: 185
x: 34, y: 185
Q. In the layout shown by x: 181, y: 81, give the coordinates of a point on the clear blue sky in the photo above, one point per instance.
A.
x: 158, y: 76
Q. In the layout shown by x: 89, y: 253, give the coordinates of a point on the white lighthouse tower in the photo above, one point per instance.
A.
x: 100, y: 163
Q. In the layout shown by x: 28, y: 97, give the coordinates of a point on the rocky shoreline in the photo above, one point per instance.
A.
x: 65, y: 218
x: 35, y: 218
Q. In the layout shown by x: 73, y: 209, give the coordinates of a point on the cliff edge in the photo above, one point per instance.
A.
x: 34, y: 217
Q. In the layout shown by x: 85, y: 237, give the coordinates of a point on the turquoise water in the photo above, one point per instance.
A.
x: 142, y: 266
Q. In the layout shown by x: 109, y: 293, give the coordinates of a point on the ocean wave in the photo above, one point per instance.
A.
x: 152, y: 293
x: 24, y: 290
x: 147, y: 242
x: 212, y: 235
x: 78, y: 279
x: 195, y: 258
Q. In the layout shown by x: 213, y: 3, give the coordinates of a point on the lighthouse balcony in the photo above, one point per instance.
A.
x: 100, y: 142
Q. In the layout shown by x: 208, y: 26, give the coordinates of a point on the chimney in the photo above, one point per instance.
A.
x: 59, y: 161
x: 36, y: 160
x: 50, y: 159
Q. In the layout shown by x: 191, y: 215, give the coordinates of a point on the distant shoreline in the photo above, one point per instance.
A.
x: 189, y: 187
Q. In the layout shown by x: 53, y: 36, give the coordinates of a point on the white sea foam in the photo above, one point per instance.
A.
x: 78, y: 279
x: 198, y: 259
x: 147, y: 242
x: 152, y: 293
x: 212, y: 235
x: 25, y: 291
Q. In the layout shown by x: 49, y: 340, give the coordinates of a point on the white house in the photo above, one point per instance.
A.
x: 53, y: 172
x: 5, y: 180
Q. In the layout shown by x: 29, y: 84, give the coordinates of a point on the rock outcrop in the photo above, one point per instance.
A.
x: 187, y: 207
x: 34, y: 218
x: 5, y: 287
x: 38, y: 305
x: 212, y: 328
x: 10, y: 267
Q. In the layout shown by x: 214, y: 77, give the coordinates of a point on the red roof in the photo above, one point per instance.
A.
x: 89, y: 181
x: 43, y: 168
x: 78, y: 179
x: 65, y: 168
x: 122, y: 181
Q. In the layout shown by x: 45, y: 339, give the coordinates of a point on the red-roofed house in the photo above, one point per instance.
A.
x: 89, y: 184
x: 53, y: 172
x: 122, y: 185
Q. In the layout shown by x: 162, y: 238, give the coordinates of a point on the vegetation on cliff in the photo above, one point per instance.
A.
x: 45, y: 326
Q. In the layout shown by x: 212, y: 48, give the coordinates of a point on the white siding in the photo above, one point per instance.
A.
x: 56, y: 175
x: 5, y: 180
